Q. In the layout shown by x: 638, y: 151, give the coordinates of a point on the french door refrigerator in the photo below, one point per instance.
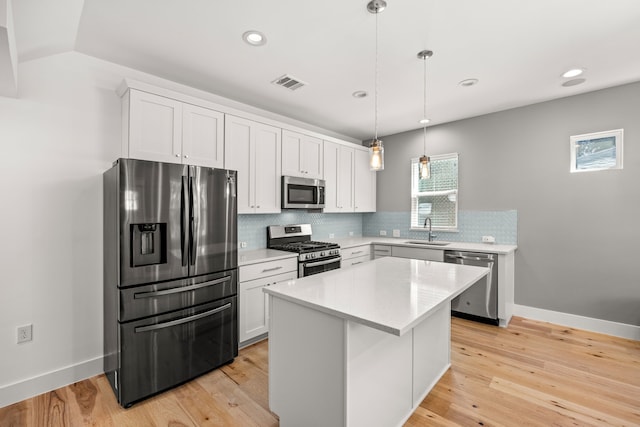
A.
x: 170, y: 274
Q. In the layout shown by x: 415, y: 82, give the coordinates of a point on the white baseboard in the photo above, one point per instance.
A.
x: 12, y: 393
x: 622, y: 330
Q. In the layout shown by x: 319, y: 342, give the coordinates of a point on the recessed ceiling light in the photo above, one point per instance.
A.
x: 254, y: 38
x: 468, y: 82
x: 359, y: 94
x: 573, y: 82
x: 424, y: 121
x: 573, y: 72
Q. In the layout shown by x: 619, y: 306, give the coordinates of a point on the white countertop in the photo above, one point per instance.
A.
x: 262, y: 255
x: 396, y: 241
x: 389, y: 294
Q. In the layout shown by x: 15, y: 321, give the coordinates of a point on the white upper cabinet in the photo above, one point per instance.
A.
x: 254, y: 150
x: 301, y: 155
x: 202, y: 136
x: 338, y: 176
x: 166, y: 130
x: 365, y: 183
x: 350, y: 185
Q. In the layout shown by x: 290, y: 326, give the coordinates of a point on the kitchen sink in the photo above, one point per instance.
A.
x: 427, y: 243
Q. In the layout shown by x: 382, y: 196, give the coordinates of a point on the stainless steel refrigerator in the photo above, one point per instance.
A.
x: 170, y: 274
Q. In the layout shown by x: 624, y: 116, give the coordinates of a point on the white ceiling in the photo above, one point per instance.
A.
x: 517, y: 49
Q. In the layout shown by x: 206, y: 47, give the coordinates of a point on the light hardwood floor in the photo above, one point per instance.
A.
x: 529, y: 374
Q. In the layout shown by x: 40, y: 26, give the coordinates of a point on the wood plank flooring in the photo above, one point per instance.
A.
x: 529, y: 374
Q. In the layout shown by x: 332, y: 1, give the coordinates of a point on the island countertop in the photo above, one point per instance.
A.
x: 389, y: 294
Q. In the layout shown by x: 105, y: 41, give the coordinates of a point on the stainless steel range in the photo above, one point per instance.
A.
x: 313, y: 257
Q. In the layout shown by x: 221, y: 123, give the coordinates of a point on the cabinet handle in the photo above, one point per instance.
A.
x: 271, y: 269
x: 258, y: 207
x: 177, y: 155
x: 356, y: 252
x: 186, y: 156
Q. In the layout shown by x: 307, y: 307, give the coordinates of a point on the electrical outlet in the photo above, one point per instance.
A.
x: 331, y: 235
x: 488, y: 239
x: 396, y: 233
x: 383, y: 232
x: 25, y: 333
x: 351, y: 234
x: 243, y: 244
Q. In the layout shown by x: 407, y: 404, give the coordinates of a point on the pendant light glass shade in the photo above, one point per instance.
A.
x: 376, y: 153
x: 425, y: 167
x: 376, y: 150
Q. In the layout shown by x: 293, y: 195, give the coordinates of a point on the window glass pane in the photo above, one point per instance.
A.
x: 437, y: 196
x: 596, y: 153
x: 441, y: 209
x: 444, y: 176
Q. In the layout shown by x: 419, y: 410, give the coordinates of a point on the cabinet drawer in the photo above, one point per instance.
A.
x: 266, y: 269
x: 355, y: 260
x: 356, y: 252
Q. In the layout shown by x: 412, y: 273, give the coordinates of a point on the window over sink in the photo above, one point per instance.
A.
x: 437, y: 196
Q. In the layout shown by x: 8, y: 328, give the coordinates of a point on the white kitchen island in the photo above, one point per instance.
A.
x: 361, y: 346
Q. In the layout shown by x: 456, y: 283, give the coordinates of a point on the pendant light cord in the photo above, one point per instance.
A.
x: 424, y: 115
x: 375, y: 83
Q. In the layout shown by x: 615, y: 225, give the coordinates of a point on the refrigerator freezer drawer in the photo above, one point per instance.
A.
x: 157, y: 298
x: 161, y: 352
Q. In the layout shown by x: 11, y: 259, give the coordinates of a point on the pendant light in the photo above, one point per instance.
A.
x: 425, y: 163
x: 376, y: 149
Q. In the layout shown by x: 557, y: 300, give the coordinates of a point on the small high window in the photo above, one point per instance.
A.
x: 437, y: 196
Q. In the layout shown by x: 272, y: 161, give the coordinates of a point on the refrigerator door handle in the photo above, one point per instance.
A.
x: 181, y: 289
x: 184, y: 224
x: 193, y: 223
x: 183, y: 320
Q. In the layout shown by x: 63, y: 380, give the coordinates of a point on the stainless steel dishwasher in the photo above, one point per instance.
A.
x: 480, y: 301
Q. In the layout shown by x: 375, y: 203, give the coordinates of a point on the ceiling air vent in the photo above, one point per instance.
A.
x: 289, y: 82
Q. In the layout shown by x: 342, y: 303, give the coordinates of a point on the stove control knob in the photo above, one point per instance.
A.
x: 322, y: 253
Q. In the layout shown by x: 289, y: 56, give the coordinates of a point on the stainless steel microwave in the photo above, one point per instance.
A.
x: 302, y: 193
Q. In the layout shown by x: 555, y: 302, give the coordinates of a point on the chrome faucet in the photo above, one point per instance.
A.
x: 430, y: 236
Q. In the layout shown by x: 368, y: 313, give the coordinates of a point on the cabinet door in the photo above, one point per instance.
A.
x: 330, y: 154
x: 253, y: 308
x: 238, y: 156
x: 267, y: 155
x: 253, y: 311
x: 311, y: 157
x: 155, y: 128
x: 364, y: 183
x: 202, y: 136
x: 301, y: 155
x: 344, y: 186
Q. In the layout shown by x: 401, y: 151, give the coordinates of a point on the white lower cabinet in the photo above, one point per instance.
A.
x: 355, y: 255
x: 418, y: 253
x: 253, y: 306
x: 380, y: 251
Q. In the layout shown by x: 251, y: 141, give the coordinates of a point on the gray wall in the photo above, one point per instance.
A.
x: 577, y: 233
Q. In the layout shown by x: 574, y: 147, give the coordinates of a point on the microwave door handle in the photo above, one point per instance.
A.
x: 184, y: 224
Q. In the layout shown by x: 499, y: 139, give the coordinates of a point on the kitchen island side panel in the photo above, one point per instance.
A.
x: 431, y: 352
x: 379, y: 376
x: 306, y: 366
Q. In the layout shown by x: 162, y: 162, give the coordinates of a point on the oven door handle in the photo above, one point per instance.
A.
x: 180, y: 289
x: 183, y: 320
x: 315, y: 264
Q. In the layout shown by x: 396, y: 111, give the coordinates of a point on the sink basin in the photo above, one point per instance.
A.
x: 427, y: 243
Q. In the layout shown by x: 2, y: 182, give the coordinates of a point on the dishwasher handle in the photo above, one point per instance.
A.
x: 487, y: 258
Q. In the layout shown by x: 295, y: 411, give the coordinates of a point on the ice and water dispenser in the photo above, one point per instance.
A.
x: 148, y: 244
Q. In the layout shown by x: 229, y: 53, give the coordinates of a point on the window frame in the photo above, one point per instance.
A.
x: 414, y: 194
x: 575, y: 140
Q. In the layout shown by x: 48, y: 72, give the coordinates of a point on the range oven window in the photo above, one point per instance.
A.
x: 302, y: 194
x: 309, y: 268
